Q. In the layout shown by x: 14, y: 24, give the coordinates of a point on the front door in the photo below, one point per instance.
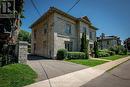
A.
x: 68, y: 45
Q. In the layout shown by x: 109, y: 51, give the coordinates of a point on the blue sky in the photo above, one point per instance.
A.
x: 112, y: 17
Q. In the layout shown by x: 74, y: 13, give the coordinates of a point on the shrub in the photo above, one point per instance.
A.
x: 125, y: 51
x: 29, y: 50
x: 61, y: 54
x: 76, y: 55
x: 119, y: 50
x: 115, y: 49
x: 111, y: 53
x: 104, y: 53
x: 108, y: 51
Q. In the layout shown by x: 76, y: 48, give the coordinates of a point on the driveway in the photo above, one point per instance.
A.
x: 48, y: 68
x: 117, y: 77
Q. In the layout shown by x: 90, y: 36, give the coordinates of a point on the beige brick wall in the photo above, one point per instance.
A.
x: 59, y: 33
x: 43, y: 41
x: 56, y: 36
x: 81, y: 26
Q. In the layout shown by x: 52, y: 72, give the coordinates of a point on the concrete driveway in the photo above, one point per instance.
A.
x: 48, y: 68
x: 117, y: 77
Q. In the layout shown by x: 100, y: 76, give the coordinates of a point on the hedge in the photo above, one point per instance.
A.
x: 76, y: 55
x: 61, y: 54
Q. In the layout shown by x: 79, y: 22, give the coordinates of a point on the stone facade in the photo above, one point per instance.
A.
x: 57, y: 29
x: 23, y: 50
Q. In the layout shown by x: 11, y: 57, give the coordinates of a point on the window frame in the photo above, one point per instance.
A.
x: 91, y: 35
x: 69, y: 45
x: 68, y: 28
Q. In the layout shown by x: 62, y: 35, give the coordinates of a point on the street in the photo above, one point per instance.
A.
x: 117, y: 77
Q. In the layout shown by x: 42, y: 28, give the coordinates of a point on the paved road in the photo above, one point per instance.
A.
x: 117, y: 77
x: 47, y: 68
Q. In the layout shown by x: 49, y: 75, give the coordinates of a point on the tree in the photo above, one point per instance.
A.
x: 96, y: 49
x: 24, y: 36
x: 84, y: 45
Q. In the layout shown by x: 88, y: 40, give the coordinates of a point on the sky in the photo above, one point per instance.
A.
x: 111, y: 17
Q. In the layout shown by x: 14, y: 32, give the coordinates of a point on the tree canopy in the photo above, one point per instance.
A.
x: 24, y: 36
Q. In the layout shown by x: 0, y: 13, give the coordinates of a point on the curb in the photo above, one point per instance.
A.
x: 78, y: 78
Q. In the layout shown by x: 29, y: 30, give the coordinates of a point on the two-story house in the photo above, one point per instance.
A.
x: 106, y: 42
x: 57, y: 29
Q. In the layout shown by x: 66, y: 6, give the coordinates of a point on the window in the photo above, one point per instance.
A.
x: 108, y: 42
x: 44, y: 44
x: 34, y: 34
x: 84, y: 29
x: 45, y: 28
x: 68, y: 29
x: 68, y: 45
x: 90, y: 35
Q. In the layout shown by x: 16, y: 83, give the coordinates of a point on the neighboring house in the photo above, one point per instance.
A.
x: 57, y: 29
x: 106, y: 42
x: 127, y: 43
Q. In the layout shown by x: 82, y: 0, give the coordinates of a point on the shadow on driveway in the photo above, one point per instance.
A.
x: 35, y: 57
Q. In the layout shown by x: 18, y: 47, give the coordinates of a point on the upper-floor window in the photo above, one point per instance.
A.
x: 68, y: 29
x: 84, y: 30
x: 108, y: 43
x: 45, y: 28
x: 35, y: 34
x: 90, y: 35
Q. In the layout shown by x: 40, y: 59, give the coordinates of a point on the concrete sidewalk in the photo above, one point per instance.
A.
x: 78, y: 78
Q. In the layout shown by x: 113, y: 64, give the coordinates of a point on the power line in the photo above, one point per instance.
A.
x: 73, y: 6
x: 35, y: 7
x: 39, y: 61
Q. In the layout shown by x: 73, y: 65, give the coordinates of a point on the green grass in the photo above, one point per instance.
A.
x: 128, y: 53
x: 87, y: 62
x: 115, y: 57
x: 16, y: 75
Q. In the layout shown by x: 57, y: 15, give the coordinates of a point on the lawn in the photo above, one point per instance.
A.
x: 87, y: 62
x: 115, y: 57
x: 16, y: 75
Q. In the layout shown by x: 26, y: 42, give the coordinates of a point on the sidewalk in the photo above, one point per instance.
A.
x: 78, y: 78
